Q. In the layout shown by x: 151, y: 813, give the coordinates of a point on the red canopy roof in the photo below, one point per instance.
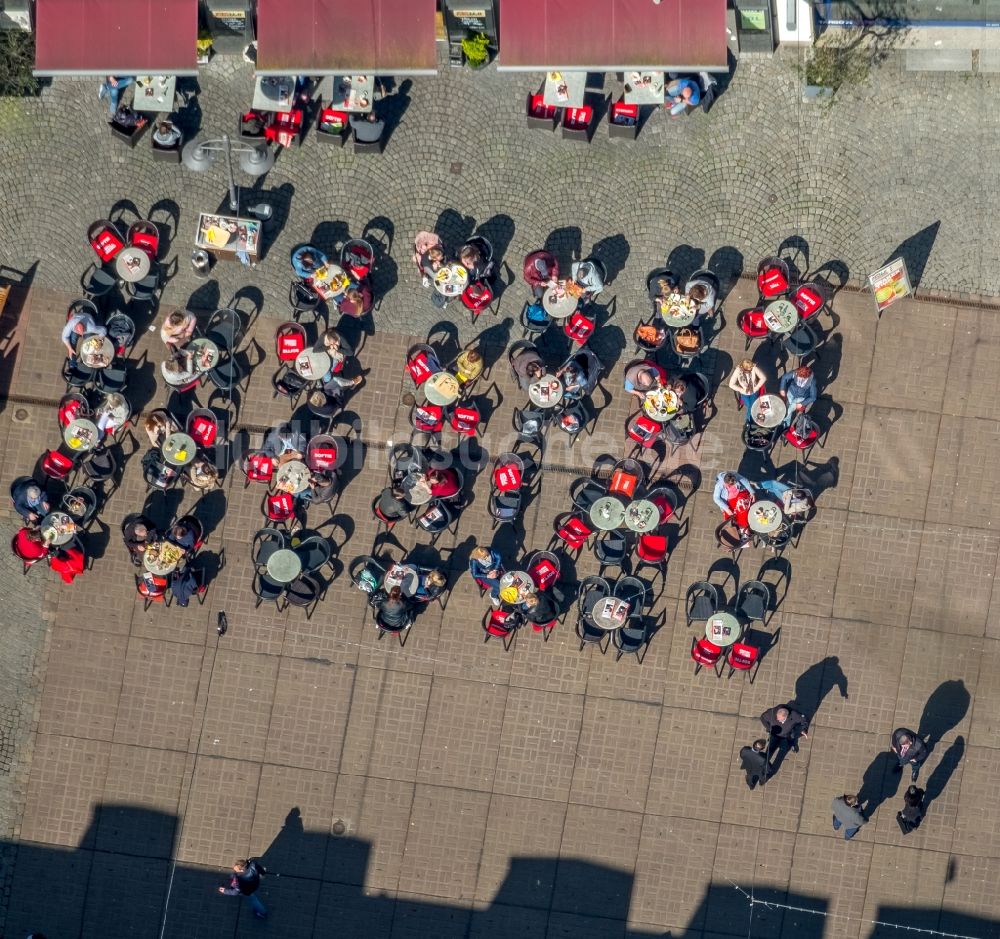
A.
x: 338, y: 37
x: 611, y: 35
x: 116, y: 37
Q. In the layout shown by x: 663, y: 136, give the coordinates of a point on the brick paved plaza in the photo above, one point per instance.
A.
x: 450, y: 788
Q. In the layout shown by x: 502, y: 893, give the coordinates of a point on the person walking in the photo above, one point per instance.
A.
x: 909, y: 749
x: 913, y: 810
x: 245, y: 882
x: 847, y: 812
x: 753, y: 762
x: 786, y: 726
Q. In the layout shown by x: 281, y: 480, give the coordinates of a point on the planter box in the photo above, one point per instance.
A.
x: 361, y: 146
x: 128, y: 135
x: 166, y: 154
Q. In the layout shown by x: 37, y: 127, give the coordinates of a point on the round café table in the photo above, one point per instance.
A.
x: 607, y: 513
x: 81, y: 435
x: 610, y: 613
x: 781, y: 316
x: 312, y: 364
x: 292, y: 477
x: 132, y: 264
x: 677, y: 310
x: 768, y: 411
x: 330, y: 281
x: 442, y: 388
x: 284, y: 565
x: 155, y: 564
x: 405, y: 577
x: 547, y: 392
x: 200, y: 347
x: 764, y: 517
x: 723, y: 629
x: 661, y: 405
x: 62, y: 527
x: 558, y: 302
x: 179, y: 449
x: 521, y: 580
x: 451, y: 280
x: 642, y: 516
x: 96, y: 351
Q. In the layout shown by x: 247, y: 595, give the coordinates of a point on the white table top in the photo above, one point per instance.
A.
x: 723, y: 629
x: 273, y: 93
x: 292, y: 477
x: 442, y: 388
x: 519, y: 579
x: 607, y: 513
x: 55, y: 521
x: 352, y: 93
x: 558, y: 302
x: 312, y: 364
x: 154, y: 93
x: 642, y: 516
x: 781, y: 316
x: 677, y: 310
x: 764, y: 516
x: 179, y: 449
x: 451, y: 280
x: 132, y: 264
x: 102, y: 358
x: 661, y: 405
x: 155, y: 564
x: 83, y: 432
x: 610, y: 613
x: 547, y: 392
x: 768, y: 411
x: 200, y: 345
x: 644, y: 87
x: 564, y: 89
x: 284, y: 565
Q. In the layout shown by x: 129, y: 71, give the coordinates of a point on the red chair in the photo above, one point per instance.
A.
x: 578, y: 118
x: 289, y: 341
x: 381, y: 516
x: 464, y: 420
x: 427, y: 418
x: 105, y: 239
x: 573, y: 531
x: 579, y: 328
x: 742, y: 658
x: 665, y: 501
x: 652, y: 549
x: 357, y: 257
x: 477, y: 297
x: 543, y: 567
x: 421, y: 363
x: 752, y: 325
x: 279, y: 507
x: 72, y: 406
x: 500, y: 624
x: 773, y: 278
x: 286, y: 129
x: 808, y: 300
x: 619, y: 110
x: 643, y: 430
x: 28, y: 552
x: 623, y: 483
x: 705, y: 653
x: 801, y: 441
x: 258, y: 467
x: 322, y: 453
x: 145, y: 236
x: 57, y: 465
x: 203, y: 427
x: 332, y: 121
x: 540, y: 113
x: 508, y: 474
x: 152, y: 589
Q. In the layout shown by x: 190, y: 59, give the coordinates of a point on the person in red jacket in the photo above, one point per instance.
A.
x: 541, y: 270
x: 68, y: 563
x: 444, y: 483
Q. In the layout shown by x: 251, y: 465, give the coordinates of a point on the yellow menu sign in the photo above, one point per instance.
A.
x: 889, y: 284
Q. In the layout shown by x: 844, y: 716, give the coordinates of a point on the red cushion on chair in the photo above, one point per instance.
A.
x: 150, y: 244
x: 107, y: 244
x: 620, y: 109
x: 544, y: 574
x: 652, y: 548
x: 419, y: 368
x: 57, y: 465
x: 623, y: 483
x: 203, y: 431
x: 751, y: 322
x: 538, y: 108
x: 807, y: 301
x: 333, y: 116
x: 507, y: 478
x: 575, y: 533
x: 290, y: 344
x: 496, y: 625
x: 477, y: 296
x: 68, y: 412
x: 663, y: 504
x: 742, y: 656
x: 280, y: 506
x: 579, y: 328
x: 260, y: 467
x: 428, y: 418
x: 705, y: 653
x: 800, y: 443
x: 644, y: 430
x: 772, y: 282
x: 578, y: 118
x: 322, y: 458
x: 465, y: 421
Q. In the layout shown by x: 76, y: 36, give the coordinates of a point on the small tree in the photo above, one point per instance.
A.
x: 17, y: 58
x: 477, y: 49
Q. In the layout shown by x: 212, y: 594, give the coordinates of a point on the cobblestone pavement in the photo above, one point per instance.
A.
x: 451, y: 788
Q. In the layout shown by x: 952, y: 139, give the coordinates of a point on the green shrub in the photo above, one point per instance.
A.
x: 477, y: 49
x: 17, y: 59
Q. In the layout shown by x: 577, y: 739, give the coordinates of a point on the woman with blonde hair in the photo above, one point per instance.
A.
x: 747, y: 381
x: 177, y: 329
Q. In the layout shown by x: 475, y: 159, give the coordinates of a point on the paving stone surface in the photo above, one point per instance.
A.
x: 450, y: 787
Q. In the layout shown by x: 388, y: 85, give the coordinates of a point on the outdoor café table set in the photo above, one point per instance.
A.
x: 205, y: 356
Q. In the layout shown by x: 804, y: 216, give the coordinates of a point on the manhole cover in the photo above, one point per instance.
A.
x: 21, y: 415
x: 408, y: 400
x: 456, y: 169
x: 772, y: 198
x: 339, y: 827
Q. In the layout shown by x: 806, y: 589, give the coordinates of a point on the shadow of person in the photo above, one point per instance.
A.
x: 943, y: 772
x: 817, y: 681
x: 944, y: 709
x: 879, y: 783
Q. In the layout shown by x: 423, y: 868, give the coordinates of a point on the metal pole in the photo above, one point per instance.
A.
x: 233, y: 204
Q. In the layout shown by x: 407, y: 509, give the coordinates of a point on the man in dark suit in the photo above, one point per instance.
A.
x: 909, y: 749
x: 786, y: 726
x: 753, y: 762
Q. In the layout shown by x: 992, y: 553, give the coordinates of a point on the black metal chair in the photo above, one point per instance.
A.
x: 533, y: 327
x: 76, y: 374
x: 631, y: 639
x: 80, y: 503
x: 701, y: 601
x: 731, y: 539
x: 303, y: 299
x: 304, y: 592
x: 400, y: 632
x: 801, y: 341
x: 633, y: 592
x: 112, y: 379
x: 97, y: 282
x: 530, y: 425
x: 585, y: 491
x: 590, y: 592
x: 266, y: 589
x: 314, y: 551
x: 504, y: 508
x: 265, y: 542
x: 754, y: 602
x: 101, y: 466
x: 611, y: 549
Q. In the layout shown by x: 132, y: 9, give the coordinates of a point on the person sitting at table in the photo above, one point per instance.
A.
x: 541, y: 271
x: 177, y: 329
x: 468, y: 366
x: 156, y: 470
x: 729, y: 487
x: 422, y: 243
x: 202, y: 474
x: 184, y: 536
x: 166, y: 135
x: 30, y: 502
x: 587, y: 276
x: 306, y: 260
x: 661, y: 287
x: 538, y: 609
x: 486, y: 569
x: 368, y: 128
x: 430, y: 585
x: 798, y: 389
x: 332, y: 343
x: 183, y: 585
x: 444, y: 483
x: 77, y: 325
x: 394, y: 610
x: 471, y: 258
x: 30, y: 545
x: 321, y: 487
x: 643, y: 378
x: 528, y: 366
x: 431, y: 261
x: 702, y: 291
x: 356, y: 301
x: 686, y: 393
x: 157, y: 427
x: 392, y: 504
x: 180, y: 369
x: 112, y: 88
x: 110, y: 413
x: 137, y: 535
x: 682, y: 94
x: 285, y: 443
x: 574, y: 378
x: 747, y: 381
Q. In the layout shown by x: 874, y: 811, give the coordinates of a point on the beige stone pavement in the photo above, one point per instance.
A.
x: 450, y: 788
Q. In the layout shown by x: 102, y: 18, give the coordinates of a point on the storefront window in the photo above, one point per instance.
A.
x: 915, y: 12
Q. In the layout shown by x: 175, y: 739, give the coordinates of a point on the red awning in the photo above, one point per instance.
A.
x: 340, y: 37
x: 613, y: 35
x: 116, y: 37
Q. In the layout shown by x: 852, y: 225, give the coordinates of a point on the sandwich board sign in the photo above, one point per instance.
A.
x: 889, y: 284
